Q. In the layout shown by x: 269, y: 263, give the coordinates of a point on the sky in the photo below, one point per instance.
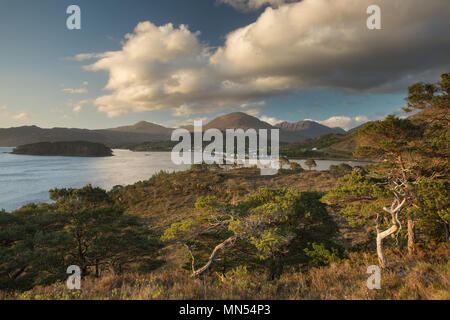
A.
x: 174, y: 61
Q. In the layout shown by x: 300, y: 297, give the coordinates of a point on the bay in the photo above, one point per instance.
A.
x: 25, y: 179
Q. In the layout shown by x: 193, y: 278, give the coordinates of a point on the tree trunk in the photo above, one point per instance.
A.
x: 382, y: 235
x: 19, y: 272
x: 96, y: 269
x: 196, y: 273
x: 447, y: 232
x: 411, y: 236
x: 81, y: 255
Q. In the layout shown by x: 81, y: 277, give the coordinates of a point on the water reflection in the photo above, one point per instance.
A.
x: 26, y: 179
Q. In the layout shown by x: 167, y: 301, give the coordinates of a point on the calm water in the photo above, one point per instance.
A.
x: 25, y: 179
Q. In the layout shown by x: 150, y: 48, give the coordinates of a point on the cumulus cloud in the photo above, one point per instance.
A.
x: 3, y: 108
x: 312, y: 44
x: 344, y: 122
x: 270, y: 120
x: 248, y: 5
x: 158, y: 68
x: 325, y: 44
x: 21, y: 116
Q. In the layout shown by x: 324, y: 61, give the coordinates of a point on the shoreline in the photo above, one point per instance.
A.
x: 57, y: 155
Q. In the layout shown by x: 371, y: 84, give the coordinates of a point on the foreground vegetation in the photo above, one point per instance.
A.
x: 211, y: 233
x: 426, y: 276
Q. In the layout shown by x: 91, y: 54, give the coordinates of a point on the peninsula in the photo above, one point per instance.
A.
x: 67, y: 149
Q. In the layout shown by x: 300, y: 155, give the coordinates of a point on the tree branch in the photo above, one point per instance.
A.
x: 212, y: 257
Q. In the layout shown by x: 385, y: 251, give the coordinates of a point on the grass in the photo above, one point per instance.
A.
x: 423, y: 276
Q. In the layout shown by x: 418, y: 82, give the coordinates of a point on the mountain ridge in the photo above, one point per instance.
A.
x: 310, y: 129
x: 144, y: 131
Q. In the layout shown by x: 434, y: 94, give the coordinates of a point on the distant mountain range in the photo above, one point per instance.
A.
x: 310, y: 129
x: 289, y: 132
x: 12, y: 137
x: 149, y: 132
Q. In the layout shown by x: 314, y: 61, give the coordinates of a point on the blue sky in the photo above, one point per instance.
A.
x: 42, y: 83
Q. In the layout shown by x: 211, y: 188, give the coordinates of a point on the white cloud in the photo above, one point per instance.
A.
x: 185, y: 122
x: 75, y: 91
x: 85, y: 56
x: 247, y: 5
x: 270, y: 120
x: 254, y: 108
x: 183, y: 111
x: 258, y: 104
x: 312, y: 44
x: 79, y: 106
x: 344, y: 122
x: 158, y: 68
x: 253, y: 112
x: 77, y: 109
x: 21, y: 116
x: 3, y: 108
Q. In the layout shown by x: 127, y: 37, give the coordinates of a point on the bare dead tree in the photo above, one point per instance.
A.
x: 394, y: 211
x: 401, y: 189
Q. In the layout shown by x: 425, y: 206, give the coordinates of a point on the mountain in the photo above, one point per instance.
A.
x: 235, y: 120
x: 238, y: 120
x: 241, y: 120
x: 144, y: 131
x: 309, y: 129
x: 146, y: 128
x: 12, y: 137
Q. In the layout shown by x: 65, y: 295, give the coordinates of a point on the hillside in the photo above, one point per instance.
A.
x: 309, y: 129
x: 12, y: 137
x: 67, y: 149
x: 170, y: 198
x: 328, y: 146
x: 237, y: 120
x: 167, y: 198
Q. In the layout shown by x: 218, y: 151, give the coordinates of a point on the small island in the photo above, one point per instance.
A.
x: 65, y: 148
